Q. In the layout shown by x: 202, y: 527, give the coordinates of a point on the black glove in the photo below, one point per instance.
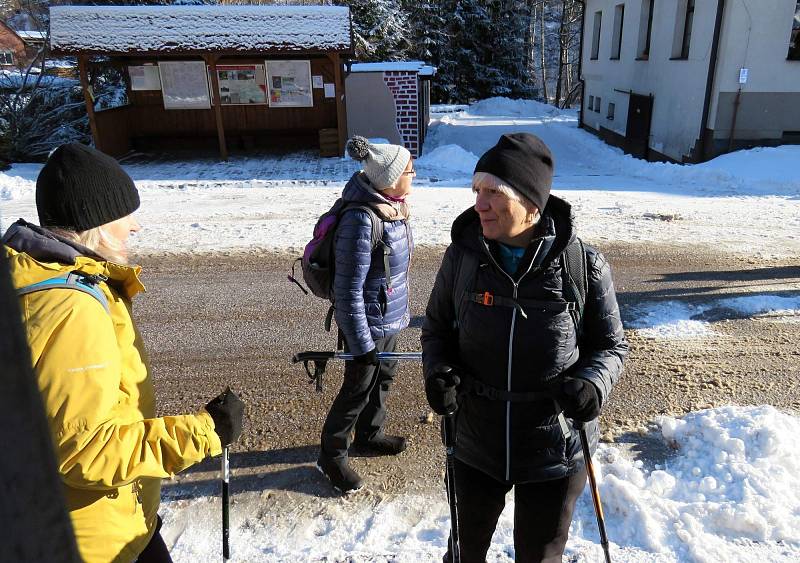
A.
x: 227, y: 410
x: 440, y: 388
x: 367, y: 359
x: 579, y: 399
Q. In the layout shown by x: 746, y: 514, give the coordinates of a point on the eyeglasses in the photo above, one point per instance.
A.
x: 411, y: 172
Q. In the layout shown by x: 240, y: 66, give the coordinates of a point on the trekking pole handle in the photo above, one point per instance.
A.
x: 346, y: 356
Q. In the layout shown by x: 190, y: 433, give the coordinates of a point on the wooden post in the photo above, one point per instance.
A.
x: 88, y: 98
x: 211, y: 60
x: 341, y: 110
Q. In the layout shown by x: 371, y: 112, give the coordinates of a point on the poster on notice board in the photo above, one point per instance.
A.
x: 289, y: 84
x: 145, y: 77
x: 242, y: 84
x: 185, y: 84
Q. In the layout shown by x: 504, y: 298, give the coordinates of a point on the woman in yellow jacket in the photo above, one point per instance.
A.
x: 92, y: 368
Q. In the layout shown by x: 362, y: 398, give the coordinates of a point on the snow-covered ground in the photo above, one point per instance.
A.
x: 728, y: 490
x: 747, y: 202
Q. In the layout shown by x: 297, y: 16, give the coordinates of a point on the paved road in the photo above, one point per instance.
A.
x: 218, y: 320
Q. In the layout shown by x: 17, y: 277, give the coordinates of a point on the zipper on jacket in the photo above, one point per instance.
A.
x: 515, y: 284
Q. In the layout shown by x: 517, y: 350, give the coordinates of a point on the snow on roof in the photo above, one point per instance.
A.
x: 127, y: 29
x: 409, y: 66
x: 32, y: 35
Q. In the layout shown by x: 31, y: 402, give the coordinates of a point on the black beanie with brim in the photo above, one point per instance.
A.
x: 524, y: 162
x: 80, y: 188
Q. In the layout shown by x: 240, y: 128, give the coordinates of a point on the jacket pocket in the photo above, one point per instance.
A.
x: 546, y: 441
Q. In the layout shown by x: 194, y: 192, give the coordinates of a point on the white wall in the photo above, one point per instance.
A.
x: 370, y: 107
x: 756, y: 37
x: 678, y: 86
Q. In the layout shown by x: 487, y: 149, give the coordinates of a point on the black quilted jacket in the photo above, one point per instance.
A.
x: 522, y: 441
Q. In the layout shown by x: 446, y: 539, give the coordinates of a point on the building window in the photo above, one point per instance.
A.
x: 610, y: 114
x: 687, y: 29
x: 598, y: 19
x: 590, y: 105
x: 683, y: 30
x: 616, y: 43
x: 597, y: 104
x: 645, y: 29
x: 794, y: 38
x: 6, y: 58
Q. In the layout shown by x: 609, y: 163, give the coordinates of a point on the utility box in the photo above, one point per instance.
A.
x: 390, y: 101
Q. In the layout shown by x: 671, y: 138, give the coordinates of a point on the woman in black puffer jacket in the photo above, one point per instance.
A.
x: 506, y: 354
x: 370, y: 290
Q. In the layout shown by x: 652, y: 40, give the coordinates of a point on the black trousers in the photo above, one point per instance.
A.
x: 156, y: 550
x: 542, y: 514
x: 360, y: 404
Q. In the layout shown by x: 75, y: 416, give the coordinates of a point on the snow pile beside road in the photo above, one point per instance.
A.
x: 446, y: 159
x: 760, y: 167
x: 679, y: 320
x: 15, y: 183
x: 727, y: 492
x: 507, y: 106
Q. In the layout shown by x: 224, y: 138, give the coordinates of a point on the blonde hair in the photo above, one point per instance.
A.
x: 487, y: 180
x: 98, y: 241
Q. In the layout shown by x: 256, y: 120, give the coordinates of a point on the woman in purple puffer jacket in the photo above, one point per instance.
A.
x: 371, y: 306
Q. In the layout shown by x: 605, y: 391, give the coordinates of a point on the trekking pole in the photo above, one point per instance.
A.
x: 450, y: 471
x: 319, y: 360
x: 226, y: 529
x: 598, y: 507
x: 382, y: 356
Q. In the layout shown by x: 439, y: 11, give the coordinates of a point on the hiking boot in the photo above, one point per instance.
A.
x: 341, y: 476
x: 380, y: 445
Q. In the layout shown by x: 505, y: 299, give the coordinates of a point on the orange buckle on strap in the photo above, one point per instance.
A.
x: 488, y: 298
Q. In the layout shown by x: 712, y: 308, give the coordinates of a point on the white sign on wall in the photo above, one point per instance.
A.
x: 185, y: 85
x: 743, y: 75
x: 144, y: 77
x: 289, y: 84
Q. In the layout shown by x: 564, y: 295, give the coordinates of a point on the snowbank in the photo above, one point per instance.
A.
x: 506, y: 106
x: 446, y: 159
x: 727, y: 492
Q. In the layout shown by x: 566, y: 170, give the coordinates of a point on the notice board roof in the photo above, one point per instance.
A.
x: 409, y: 66
x: 199, y: 29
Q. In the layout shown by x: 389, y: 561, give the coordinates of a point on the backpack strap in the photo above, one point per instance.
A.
x: 74, y: 280
x: 574, y: 279
x: 376, y: 239
x: 466, y: 271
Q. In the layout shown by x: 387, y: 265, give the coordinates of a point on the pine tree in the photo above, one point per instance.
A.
x: 430, y: 36
x: 381, y: 29
x: 510, y: 49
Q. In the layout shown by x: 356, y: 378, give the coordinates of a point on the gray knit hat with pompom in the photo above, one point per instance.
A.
x: 383, y: 164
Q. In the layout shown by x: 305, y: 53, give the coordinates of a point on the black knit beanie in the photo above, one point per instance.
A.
x: 523, y: 162
x: 81, y: 188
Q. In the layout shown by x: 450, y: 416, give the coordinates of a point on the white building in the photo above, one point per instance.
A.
x: 687, y: 80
